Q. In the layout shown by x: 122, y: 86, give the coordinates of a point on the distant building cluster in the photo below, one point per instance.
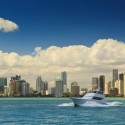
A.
x: 18, y: 87
x: 116, y: 87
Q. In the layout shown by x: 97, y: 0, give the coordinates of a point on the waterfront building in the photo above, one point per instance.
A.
x: 121, y: 76
x: 75, y: 90
x: 45, y: 85
x: 124, y: 84
x: 16, y: 86
x: 64, y: 80
x: 45, y: 88
x: 30, y: 89
x: 19, y: 87
x: 115, y: 77
x: 113, y: 91
x: 121, y: 87
x: 6, y: 90
x: 38, y: 84
x: 94, y: 83
x: 52, y: 91
x: 3, y: 82
x: 43, y: 92
x: 107, y: 88
x: 25, y: 88
x: 102, y: 83
x: 41, y: 86
x: 12, y: 87
x: 59, y: 88
x: 73, y: 84
x: 17, y: 77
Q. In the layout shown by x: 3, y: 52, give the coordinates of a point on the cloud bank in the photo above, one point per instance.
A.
x: 7, y: 25
x: 80, y: 62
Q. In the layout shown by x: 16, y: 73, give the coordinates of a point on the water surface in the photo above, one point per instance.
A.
x: 60, y: 111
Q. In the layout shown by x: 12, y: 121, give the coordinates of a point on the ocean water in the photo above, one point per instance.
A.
x: 60, y: 111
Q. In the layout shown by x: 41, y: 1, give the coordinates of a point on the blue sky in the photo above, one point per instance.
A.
x: 44, y: 23
x: 96, y: 26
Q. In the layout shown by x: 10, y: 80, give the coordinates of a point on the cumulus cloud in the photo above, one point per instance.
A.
x: 7, y: 25
x: 81, y: 62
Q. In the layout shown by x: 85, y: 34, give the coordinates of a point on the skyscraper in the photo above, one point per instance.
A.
x: 38, y: 84
x: 64, y: 80
x: 73, y: 84
x: 107, y: 88
x: 16, y: 86
x: 12, y: 87
x: 121, y: 76
x: 94, y: 83
x: 124, y: 85
x: 59, y: 88
x: 119, y: 86
x: 75, y: 89
x: 25, y: 88
x: 115, y: 77
x: 3, y: 82
x: 102, y: 83
x: 64, y: 77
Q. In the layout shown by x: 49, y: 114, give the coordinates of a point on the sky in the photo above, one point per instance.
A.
x: 86, y: 38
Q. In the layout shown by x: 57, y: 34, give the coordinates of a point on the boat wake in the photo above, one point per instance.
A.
x: 93, y: 104
x: 66, y: 104
x: 96, y: 104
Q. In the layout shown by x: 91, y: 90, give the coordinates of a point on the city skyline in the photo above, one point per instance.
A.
x: 46, y: 37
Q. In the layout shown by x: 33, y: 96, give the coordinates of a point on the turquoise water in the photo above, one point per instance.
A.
x: 54, y: 111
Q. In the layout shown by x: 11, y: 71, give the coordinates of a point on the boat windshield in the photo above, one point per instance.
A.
x: 97, y: 98
x: 99, y: 92
x: 94, y: 91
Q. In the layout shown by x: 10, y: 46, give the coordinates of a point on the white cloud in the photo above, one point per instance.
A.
x: 7, y: 25
x: 80, y: 62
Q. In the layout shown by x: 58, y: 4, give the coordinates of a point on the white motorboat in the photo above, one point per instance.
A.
x: 96, y: 96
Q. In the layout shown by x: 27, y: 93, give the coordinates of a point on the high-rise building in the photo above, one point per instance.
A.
x: 12, y: 87
x: 64, y: 77
x: 113, y: 91
x: 3, y: 82
x: 53, y: 91
x: 45, y: 85
x: 73, y: 84
x: 102, y: 83
x: 19, y: 87
x: 119, y: 86
x: 41, y: 86
x: 107, y: 88
x: 6, y: 90
x: 17, y: 77
x: 16, y: 86
x: 115, y: 77
x: 38, y: 84
x: 124, y: 85
x: 94, y: 83
x: 64, y: 80
x: 59, y: 88
x: 121, y: 76
x: 25, y: 88
x: 75, y: 90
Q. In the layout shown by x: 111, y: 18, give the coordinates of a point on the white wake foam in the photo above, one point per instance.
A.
x: 93, y: 104
x: 67, y: 104
x: 96, y: 104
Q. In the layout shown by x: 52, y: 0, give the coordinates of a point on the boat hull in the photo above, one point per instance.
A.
x: 80, y: 101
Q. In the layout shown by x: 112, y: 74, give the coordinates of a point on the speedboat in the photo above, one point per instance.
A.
x: 96, y: 96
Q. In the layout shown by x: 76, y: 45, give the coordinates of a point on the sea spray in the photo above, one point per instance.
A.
x: 93, y: 104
